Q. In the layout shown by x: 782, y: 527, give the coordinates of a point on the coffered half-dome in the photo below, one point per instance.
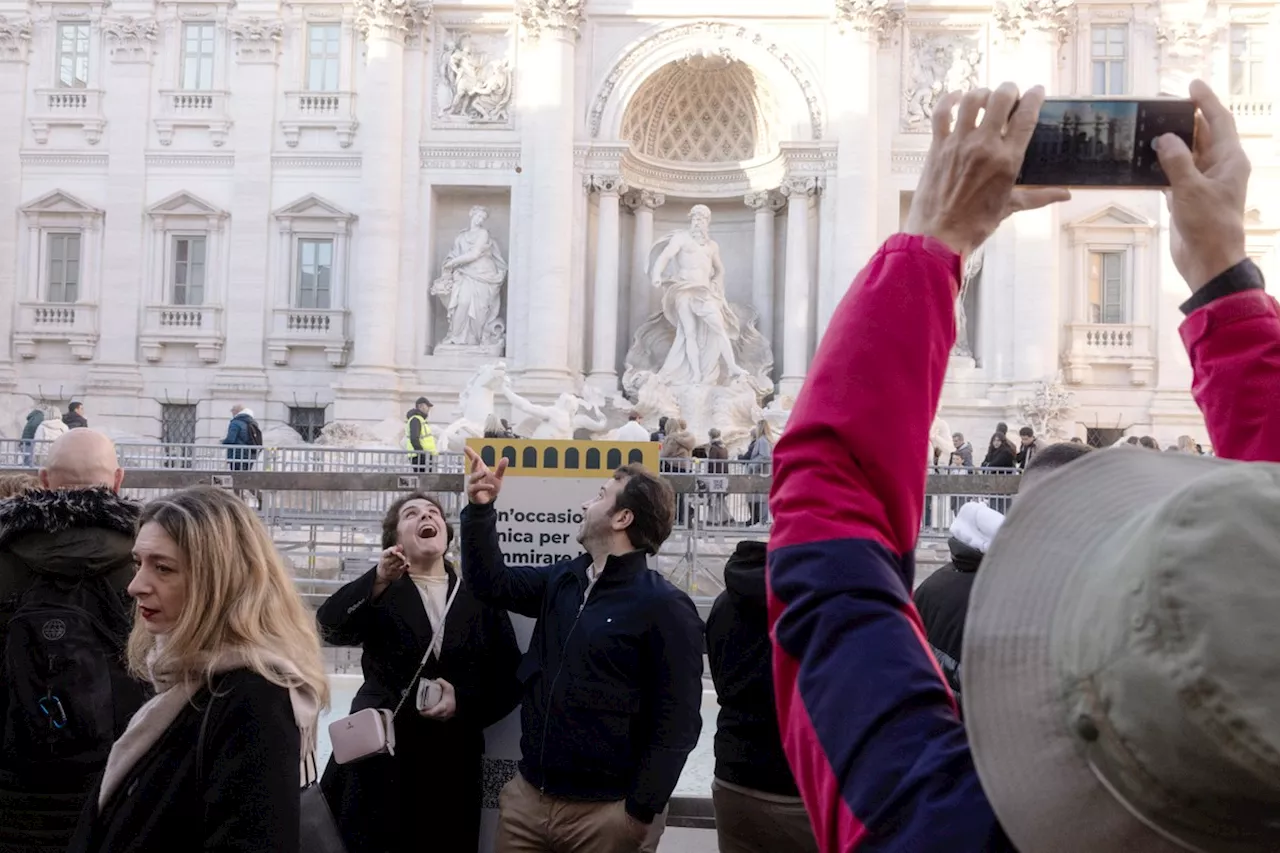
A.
x: 702, y: 109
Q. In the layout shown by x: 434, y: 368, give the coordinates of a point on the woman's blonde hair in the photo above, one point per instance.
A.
x: 240, y: 598
x: 12, y: 485
x: 764, y: 430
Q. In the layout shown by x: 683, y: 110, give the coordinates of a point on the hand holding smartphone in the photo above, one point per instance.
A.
x: 1104, y: 142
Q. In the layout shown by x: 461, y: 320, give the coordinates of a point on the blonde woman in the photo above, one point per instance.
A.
x: 213, y: 761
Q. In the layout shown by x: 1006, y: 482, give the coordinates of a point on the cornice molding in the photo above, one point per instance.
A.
x: 478, y: 158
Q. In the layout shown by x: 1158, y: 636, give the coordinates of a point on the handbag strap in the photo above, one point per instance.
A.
x: 437, y: 642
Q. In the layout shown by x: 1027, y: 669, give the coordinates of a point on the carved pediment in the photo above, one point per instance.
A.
x: 1113, y: 216
x: 312, y: 206
x: 59, y: 201
x: 185, y: 204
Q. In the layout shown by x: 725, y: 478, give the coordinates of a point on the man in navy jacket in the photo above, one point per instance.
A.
x: 613, y: 676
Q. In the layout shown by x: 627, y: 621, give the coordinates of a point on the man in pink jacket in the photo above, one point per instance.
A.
x: 869, y: 727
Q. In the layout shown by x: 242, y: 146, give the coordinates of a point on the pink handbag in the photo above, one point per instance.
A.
x: 372, y: 731
x: 363, y: 734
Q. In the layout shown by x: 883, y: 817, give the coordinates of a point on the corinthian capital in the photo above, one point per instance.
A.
x: 646, y: 199
x: 802, y: 187
x: 1017, y: 17
x: 605, y: 184
x: 872, y: 17
x: 391, y: 19
x: 764, y: 200
x: 15, y: 39
x: 557, y: 17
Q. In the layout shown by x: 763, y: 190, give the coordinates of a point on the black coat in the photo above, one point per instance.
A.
x: 943, y: 602
x: 612, y: 686
x: 75, y: 535
x: 247, y: 801
x: 1001, y: 457
x: 433, y: 784
x: 748, y: 745
x: 75, y: 421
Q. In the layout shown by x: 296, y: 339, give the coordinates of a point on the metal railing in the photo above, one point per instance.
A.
x: 323, y: 506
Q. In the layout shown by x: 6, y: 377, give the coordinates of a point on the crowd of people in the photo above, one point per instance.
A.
x: 1095, y: 670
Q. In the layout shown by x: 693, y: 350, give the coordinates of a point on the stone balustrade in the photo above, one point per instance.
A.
x: 72, y: 323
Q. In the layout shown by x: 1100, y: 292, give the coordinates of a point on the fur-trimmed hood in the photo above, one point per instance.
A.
x: 76, y: 532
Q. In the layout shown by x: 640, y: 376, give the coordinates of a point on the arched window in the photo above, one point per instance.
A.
x: 489, y: 455
x: 509, y: 454
x: 550, y: 458
x: 530, y: 458
x: 571, y: 457
x: 615, y: 458
x: 593, y: 459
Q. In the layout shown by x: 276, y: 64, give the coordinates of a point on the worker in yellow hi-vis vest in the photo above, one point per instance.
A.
x: 419, y: 441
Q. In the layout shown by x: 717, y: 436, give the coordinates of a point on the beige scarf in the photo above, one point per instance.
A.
x: 154, y: 718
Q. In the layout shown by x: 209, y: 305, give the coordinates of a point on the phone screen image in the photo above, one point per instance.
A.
x: 1103, y: 142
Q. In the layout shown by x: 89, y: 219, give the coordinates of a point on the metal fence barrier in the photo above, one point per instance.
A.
x: 323, y: 506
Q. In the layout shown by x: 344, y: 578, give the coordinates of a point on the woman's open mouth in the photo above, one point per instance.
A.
x: 427, y: 531
x: 147, y: 613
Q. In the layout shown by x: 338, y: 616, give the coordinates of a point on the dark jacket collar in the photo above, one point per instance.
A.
x: 59, y: 510
x: 72, y: 532
x: 964, y: 557
x: 617, y: 567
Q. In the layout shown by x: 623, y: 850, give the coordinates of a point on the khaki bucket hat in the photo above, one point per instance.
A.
x: 1121, y: 672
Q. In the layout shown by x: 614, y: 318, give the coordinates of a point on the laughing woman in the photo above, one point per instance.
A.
x: 428, y: 794
x: 213, y: 761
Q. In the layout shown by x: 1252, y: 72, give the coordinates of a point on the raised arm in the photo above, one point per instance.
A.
x: 1232, y: 331
x: 515, y: 588
x: 868, y: 724
x: 659, y: 265
x: 524, y: 405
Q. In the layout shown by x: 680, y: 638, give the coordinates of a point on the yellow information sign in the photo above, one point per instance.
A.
x: 545, y: 486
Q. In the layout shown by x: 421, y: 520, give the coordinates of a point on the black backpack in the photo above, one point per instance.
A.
x: 69, y: 694
x: 255, y: 438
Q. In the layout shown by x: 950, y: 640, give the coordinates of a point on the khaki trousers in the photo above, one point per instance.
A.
x: 532, y: 822
x: 755, y: 822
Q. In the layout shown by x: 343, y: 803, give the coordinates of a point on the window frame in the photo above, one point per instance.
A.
x: 1107, y: 61
x: 1253, y: 59
x: 295, y: 422
x: 297, y: 300
x: 63, y: 236
x: 312, y: 218
x: 206, y: 77
x: 77, y: 56
x: 1124, y: 287
x: 326, y: 57
x: 171, y: 267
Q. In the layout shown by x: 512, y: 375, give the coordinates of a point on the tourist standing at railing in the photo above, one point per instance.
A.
x: 74, y: 418
x: 963, y: 449
x: 65, y: 564
x: 244, y: 439
x: 633, y: 430
x: 1031, y: 446
x: 759, y: 455
x: 613, y: 676
x: 757, y: 805
x: 34, y: 418
x: 426, y: 796
x: 418, y: 438
x: 717, y: 466
x: 995, y: 449
x: 216, y: 759
x: 1120, y: 678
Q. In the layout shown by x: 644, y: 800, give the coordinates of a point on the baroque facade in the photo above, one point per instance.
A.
x: 275, y: 202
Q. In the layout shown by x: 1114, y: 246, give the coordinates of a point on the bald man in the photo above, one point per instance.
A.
x: 82, y: 459
x: 65, y: 563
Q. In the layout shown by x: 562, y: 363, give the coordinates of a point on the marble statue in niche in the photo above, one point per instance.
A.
x: 969, y: 282
x: 700, y: 335
x: 699, y: 358
x: 470, y: 286
x: 475, y: 88
x: 937, y: 63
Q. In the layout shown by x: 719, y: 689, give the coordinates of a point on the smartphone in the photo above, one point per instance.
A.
x: 1104, y: 142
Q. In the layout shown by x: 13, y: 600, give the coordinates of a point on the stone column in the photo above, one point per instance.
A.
x: 865, y: 26
x: 15, y: 40
x: 114, y: 377
x: 249, y: 296
x: 766, y: 204
x: 546, y: 87
x: 797, y: 285
x: 604, y: 318
x: 369, y: 391
x: 642, y: 203
x: 1033, y: 33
